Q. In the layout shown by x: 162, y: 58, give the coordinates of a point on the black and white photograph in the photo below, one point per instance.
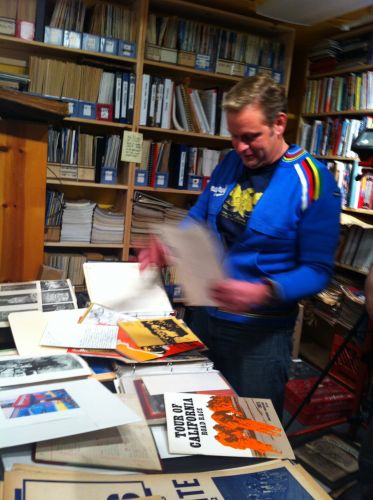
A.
x: 13, y: 287
x: 58, y: 307
x: 16, y: 299
x: 56, y: 297
x: 54, y: 285
x: 16, y: 370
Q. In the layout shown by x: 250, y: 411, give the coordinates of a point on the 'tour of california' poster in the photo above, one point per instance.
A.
x: 224, y: 425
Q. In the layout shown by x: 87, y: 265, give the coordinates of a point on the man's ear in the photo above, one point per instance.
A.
x: 279, y: 125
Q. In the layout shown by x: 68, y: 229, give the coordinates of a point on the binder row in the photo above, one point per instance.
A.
x: 167, y: 104
x: 177, y: 162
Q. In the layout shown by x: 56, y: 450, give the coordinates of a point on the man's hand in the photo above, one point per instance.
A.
x: 369, y: 293
x: 155, y: 254
x: 240, y: 296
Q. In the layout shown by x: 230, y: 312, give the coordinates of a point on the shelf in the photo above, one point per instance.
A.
x: 363, y: 211
x: 13, y: 43
x: 81, y: 244
x: 350, y: 112
x: 350, y: 268
x: 97, y: 123
x: 332, y: 157
x: 359, y: 68
x: 175, y: 70
x: 167, y: 190
x: 183, y: 134
x: 94, y: 185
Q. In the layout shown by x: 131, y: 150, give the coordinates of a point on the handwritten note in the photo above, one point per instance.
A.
x: 131, y: 147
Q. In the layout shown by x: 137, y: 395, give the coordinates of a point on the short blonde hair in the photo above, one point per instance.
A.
x: 261, y: 90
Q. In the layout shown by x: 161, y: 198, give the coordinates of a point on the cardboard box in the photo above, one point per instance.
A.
x: 141, y: 177
x: 185, y: 58
x: 153, y: 52
x: 60, y: 171
x: 86, y: 173
x: 104, y: 112
x: 108, y: 175
x: 109, y: 45
x: 168, y: 55
x: 53, y: 36
x: 195, y: 182
x: 126, y: 49
x: 25, y: 30
x: 7, y: 26
x: 87, y: 110
x: 72, y: 39
x: 161, y: 180
x: 203, y: 62
x: 52, y: 233
x: 90, y: 42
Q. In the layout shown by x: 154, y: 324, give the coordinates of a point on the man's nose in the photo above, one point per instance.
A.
x: 242, y: 146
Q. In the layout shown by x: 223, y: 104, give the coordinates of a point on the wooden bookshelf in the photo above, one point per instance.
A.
x: 121, y: 193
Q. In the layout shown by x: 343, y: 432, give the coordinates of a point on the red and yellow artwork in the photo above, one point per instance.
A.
x: 235, y: 430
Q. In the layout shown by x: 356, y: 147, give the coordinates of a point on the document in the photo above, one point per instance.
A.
x: 38, y: 412
x: 201, y: 424
x: 64, y: 331
x: 197, y: 258
x: 122, y: 287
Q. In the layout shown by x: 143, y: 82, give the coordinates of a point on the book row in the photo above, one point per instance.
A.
x: 356, y: 246
x: 333, y: 136
x: 355, y: 183
x: 339, y: 93
x: 206, y: 47
x: 179, y: 166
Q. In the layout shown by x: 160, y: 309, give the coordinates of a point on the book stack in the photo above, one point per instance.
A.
x: 77, y: 221
x: 147, y: 210
x: 108, y: 226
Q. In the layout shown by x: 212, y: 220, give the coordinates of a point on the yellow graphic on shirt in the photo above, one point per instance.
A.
x: 243, y: 201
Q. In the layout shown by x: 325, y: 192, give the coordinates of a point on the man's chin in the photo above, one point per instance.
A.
x: 250, y: 163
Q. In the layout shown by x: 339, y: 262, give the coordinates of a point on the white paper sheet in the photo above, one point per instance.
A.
x: 63, y: 331
x: 180, y: 382
x: 40, y: 412
x: 196, y: 257
x: 122, y: 287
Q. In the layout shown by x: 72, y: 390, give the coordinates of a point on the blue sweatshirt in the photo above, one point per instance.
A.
x: 290, y: 238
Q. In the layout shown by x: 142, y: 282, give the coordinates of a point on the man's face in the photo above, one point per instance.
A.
x: 256, y: 142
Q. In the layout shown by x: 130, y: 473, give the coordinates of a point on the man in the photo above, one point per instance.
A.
x: 276, y: 210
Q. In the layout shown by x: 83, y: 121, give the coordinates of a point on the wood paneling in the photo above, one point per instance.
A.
x: 23, y: 157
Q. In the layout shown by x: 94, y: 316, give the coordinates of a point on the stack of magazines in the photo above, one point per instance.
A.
x: 77, y: 221
x: 108, y: 226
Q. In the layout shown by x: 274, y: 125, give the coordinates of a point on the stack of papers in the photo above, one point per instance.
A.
x: 31, y: 411
x: 108, y: 226
x: 77, y: 221
x: 147, y: 211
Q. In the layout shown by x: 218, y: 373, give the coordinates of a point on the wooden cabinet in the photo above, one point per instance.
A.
x: 23, y: 152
